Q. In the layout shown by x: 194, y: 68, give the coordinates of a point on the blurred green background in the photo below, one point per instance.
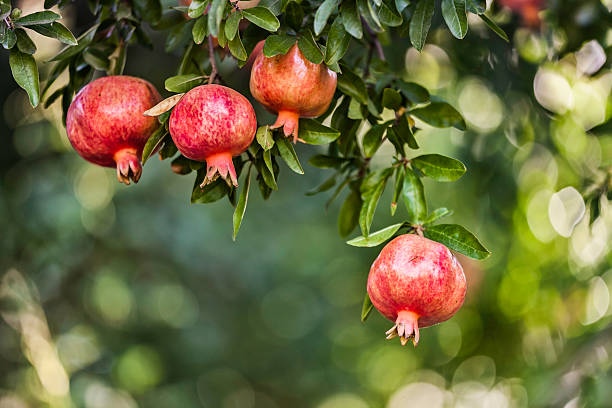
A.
x: 115, y: 296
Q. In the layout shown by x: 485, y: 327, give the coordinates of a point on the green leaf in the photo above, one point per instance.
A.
x: 376, y: 238
x: 242, y: 203
x: 338, y: 42
x: 438, y: 167
x: 55, y: 30
x: 420, y: 23
x: 373, y: 139
x: 314, y: 133
x: 231, y: 24
x: 288, y: 154
x: 349, y: 214
x: 326, y: 185
x: 476, y: 6
x: 168, y: 150
x: 309, y: 47
x: 370, y: 202
x: 391, y: 99
x: 196, y: 8
x: 215, y: 15
x: 351, y: 19
x: 322, y: 15
x: 40, y: 17
x: 8, y: 38
x: 183, y: 83
x: 458, y: 239
x: 25, y: 72
x: 441, y: 115
x: 400, y: 5
x: 415, y: 93
x: 82, y: 42
x: 396, y: 140
x: 404, y: 131
x: 366, y: 308
x: 153, y: 143
x: 221, y: 40
x: 388, y: 15
x: 437, y: 214
x: 352, y: 85
x: 493, y: 26
x: 262, y: 17
x: 323, y: 161
x: 455, y: 16
x: 24, y: 43
x: 400, y: 173
x: 278, y: 44
x: 200, y: 29
x: 267, y: 172
x: 414, y: 198
x: 367, y: 12
x: 96, y: 59
x: 265, y: 138
x: 211, y: 192
x: 237, y: 48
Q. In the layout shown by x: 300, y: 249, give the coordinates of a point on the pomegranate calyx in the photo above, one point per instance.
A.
x: 128, y: 165
x: 220, y: 164
x: 290, y: 122
x: 406, y: 326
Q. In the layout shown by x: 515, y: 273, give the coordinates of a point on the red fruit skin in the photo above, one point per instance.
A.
x: 212, y: 123
x: 415, y: 278
x: 293, y: 87
x: 106, y: 125
x: 528, y: 9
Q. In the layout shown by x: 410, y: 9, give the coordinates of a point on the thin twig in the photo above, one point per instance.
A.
x: 374, y: 40
x: 213, y: 63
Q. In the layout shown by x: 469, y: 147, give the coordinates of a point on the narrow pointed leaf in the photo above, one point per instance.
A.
x: 349, y: 214
x: 420, y: 23
x: 414, y: 198
x: 438, y: 167
x: 265, y: 138
x: 351, y: 19
x: 338, y: 42
x: 25, y: 72
x: 40, y: 17
x: 278, y: 45
x: 437, y: 214
x: 314, y: 133
x: 493, y: 26
x: 262, y: 17
x: 366, y: 308
x: 458, y: 239
x: 55, y: 30
x: 455, y: 17
x: 309, y: 48
x: 153, y: 143
x: 375, y: 238
x: 164, y: 106
x: 231, y: 24
x: 237, y: 48
x: 322, y: 15
x: 440, y: 114
x: 183, y: 83
x: 288, y: 154
x: 242, y: 203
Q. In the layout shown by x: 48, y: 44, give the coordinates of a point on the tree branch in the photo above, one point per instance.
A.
x: 213, y: 62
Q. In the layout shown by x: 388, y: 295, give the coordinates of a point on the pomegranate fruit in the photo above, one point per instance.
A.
x: 106, y: 125
x: 528, y: 9
x: 293, y: 87
x: 213, y: 123
x: 415, y: 282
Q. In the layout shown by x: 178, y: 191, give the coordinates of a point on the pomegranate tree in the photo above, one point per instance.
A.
x: 106, y: 125
x: 213, y: 123
x: 293, y: 87
x: 415, y: 282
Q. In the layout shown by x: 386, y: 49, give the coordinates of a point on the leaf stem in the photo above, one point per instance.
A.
x: 374, y: 40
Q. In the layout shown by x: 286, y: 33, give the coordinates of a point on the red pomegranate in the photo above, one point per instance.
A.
x: 293, y: 87
x: 213, y: 123
x: 106, y: 125
x: 415, y: 282
x: 528, y: 9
